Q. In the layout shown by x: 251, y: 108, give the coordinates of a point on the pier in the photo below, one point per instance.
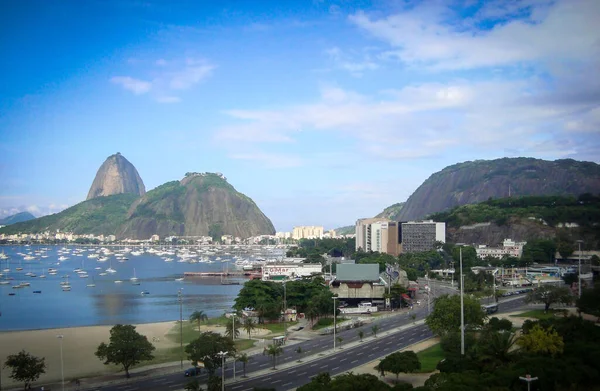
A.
x: 223, y: 274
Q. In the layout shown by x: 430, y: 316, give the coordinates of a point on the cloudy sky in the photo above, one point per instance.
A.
x: 321, y: 111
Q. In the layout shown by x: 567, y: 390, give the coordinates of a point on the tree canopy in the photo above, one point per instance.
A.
x: 126, y: 348
x: 445, y: 316
x: 206, y: 349
x: 25, y: 368
x: 548, y: 295
x: 399, y: 362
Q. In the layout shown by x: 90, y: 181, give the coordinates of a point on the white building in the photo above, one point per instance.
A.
x: 509, y: 248
x: 308, y: 232
x: 279, y: 272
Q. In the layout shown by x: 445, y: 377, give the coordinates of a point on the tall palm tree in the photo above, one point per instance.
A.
x: 249, y: 326
x: 244, y: 358
x: 374, y: 330
x: 198, y: 316
x: 274, y: 351
x: 229, y: 331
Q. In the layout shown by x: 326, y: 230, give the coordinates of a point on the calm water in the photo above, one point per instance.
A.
x: 108, y: 302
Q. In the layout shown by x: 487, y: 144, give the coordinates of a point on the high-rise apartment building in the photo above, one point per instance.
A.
x: 377, y: 234
x: 417, y: 236
x: 307, y: 232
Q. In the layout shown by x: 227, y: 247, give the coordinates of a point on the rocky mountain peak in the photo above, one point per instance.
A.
x: 116, y: 176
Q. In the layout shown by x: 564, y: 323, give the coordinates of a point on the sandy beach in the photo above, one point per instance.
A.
x: 79, y: 345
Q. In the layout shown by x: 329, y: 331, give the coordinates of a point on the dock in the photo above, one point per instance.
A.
x: 221, y: 274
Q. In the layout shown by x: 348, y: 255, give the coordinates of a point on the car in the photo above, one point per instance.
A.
x: 194, y: 371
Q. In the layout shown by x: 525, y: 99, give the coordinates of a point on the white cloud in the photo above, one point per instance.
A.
x: 422, y: 120
x: 168, y: 77
x: 345, y: 61
x: 137, y: 86
x: 423, y: 36
x: 271, y: 160
x: 192, y: 73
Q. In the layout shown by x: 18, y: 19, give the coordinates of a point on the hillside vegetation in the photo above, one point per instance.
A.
x: 101, y: 215
x: 553, y: 210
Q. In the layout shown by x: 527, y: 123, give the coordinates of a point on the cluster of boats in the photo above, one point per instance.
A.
x: 246, y: 258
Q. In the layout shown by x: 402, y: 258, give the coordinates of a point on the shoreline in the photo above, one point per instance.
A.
x: 79, y: 344
x: 83, y: 326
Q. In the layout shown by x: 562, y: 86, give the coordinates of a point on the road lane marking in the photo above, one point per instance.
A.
x: 275, y: 381
x: 292, y: 371
x: 333, y: 369
x: 301, y: 374
x: 352, y: 362
x: 233, y: 388
x: 286, y: 384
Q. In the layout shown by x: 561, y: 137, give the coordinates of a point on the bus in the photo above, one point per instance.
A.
x: 489, y: 309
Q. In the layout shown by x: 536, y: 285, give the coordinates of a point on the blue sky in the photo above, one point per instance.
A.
x: 321, y: 111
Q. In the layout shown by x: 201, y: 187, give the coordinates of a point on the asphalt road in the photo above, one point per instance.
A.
x: 343, y: 360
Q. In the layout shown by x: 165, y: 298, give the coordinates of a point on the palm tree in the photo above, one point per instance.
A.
x: 274, y: 351
x: 339, y: 340
x: 249, y: 326
x: 198, y: 316
x: 374, y: 330
x: 361, y: 334
x: 244, y: 358
x: 229, y: 331
x: 299, y: 351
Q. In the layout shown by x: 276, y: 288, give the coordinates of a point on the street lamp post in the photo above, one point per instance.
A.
x: 62, y: 371
x: 284, y: 312
x: 334, y: 325
x: 222, y: 354
x: 579, y: 273
x: 528, y: 379
x: 180, y: 297
x: 462, y: 306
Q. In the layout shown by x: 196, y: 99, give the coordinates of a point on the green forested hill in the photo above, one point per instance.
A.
x: 101, y: 215
x: 553, y: 210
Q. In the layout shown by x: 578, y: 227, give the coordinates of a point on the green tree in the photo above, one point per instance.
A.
x: 232, y: 328
x: 399, y: 362
x: 206, y: 349
x: 496, y: 324
x: 25, y: 368
x: 339, y: 340
x: 493, y: 348
x: 249, y: 326
x: 540, y: 340
x: 589, y: 302
x: 299, y: 351
x: 198, y: 316
x: 361, y: 335
x: 374, y: 330
x: 565, y: 249
x: 445, y: 316
x: 548, y: 295
x: 126, y: 348
x: 274, y: 351
x: 345, y: 382
x: 215, y: 231
x: 244, y: 358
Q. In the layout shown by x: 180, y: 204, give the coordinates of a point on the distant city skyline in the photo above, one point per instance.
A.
x: 323, y: 112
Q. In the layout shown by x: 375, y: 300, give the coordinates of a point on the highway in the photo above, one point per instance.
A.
x: 395, y: 332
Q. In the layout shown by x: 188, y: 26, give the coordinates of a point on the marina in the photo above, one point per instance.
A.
x: 93, y: 285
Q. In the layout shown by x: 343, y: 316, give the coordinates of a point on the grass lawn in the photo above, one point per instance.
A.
x: 275, y: 327
x: 430, y: 357
x: 326, y: 322
x: 539, y: 314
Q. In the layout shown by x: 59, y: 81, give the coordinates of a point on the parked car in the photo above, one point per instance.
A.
x: 194, y: 371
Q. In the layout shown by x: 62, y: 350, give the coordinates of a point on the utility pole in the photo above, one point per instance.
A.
x: 462, y: 306
x: 334, y: 325
x: 284, y: 313
x: 579, y: 274
x: 180, y: 297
